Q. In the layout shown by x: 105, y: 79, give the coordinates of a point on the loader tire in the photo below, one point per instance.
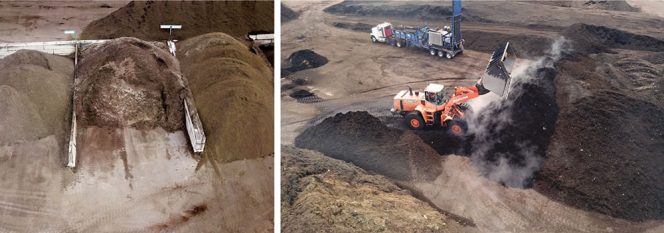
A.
x: 414, y: 120
x: 457, y: 128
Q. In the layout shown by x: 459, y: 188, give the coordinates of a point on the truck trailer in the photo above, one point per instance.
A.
x: 446, y: 42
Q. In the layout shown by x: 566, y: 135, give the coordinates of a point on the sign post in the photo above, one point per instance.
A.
x: 170, y: 28
x: 73, y: 35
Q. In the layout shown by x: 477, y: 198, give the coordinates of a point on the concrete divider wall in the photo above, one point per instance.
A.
x: 194, y: 127
x: 51, y: 47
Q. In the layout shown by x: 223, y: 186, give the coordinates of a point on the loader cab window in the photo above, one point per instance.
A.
x: 434, y: 97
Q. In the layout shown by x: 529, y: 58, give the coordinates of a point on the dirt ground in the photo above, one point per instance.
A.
x: 141, y: 19
x: 564, y: 172
x: 25, y: 21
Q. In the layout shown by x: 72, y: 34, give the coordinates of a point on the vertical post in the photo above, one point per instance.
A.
x: 75, y: 54
x: 71, y: 158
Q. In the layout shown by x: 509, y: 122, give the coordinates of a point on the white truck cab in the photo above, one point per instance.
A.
x: 381, y: 32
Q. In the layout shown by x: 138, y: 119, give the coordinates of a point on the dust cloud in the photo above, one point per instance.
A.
x: 499, y: 150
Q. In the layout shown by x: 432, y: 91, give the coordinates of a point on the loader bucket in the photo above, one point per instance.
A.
x: 497, y: 77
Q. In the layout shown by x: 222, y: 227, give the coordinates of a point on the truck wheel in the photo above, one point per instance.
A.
x: 457, y: 128
x: 441, y: 54
x: 414, y: 120
x: 399, y: 44
x: 448, y: 55
x: 432, y: 52
x: 373, y: 39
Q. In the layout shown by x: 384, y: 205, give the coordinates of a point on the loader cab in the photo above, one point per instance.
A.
x: 433, y: 93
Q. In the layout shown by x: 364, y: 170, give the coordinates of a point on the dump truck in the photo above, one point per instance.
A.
x: 430, y: 107
x: 446, y: 42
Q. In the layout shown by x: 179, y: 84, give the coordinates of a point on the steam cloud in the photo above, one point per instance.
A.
x: 510, y: 159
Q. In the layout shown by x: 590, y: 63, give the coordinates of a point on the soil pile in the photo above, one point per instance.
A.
x: 404, y: 10
x: 142, y: 19
x: 287, y: 14
x: 606, y: 151
x: 510, y: 137
x: 603, y: 5
x: 232, y: 88
x: 128, y: 82
x: 364, y: 140
x: 595, y: 39
x: 302, y: 60
x: 361, y: 27
x: 531, y: 45
x: 416, y: 10
x: 321, y: 194
x: 35, y: 96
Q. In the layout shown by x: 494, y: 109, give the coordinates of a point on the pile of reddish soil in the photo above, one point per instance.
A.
x: 302, y: 60
x: 36, y: 102
x: 287, y: 14
x: 142, y: 19
x: 606, y: 151
x: 233, y: 91
x: 364, y: 140
x: 128, y: 82
x: 321, y: 194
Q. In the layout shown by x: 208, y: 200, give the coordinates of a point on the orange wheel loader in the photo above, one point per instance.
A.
x: 431, y: 108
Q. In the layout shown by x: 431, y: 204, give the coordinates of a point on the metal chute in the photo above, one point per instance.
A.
x: 497, y: 77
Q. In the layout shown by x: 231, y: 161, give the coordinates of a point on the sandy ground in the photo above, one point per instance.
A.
x: 131, y: 180
x: 364, y: 76
x: 653, y: 7
x: 461, y: 190
x: 26, y: 21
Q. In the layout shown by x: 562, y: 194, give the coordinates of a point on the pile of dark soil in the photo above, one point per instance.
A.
x: 364, y: 140
x: 127, y: 82
x: 361, y: 27
x: 232, y: 88
x: 302, y: 60
x: 304, y: 96
x: 592, y: 4
x: 515, y: 133
x: 405, y: 10
x: 321, y: 194
x: 36, y: 99
x: 421, y: 11
x: 287, y: 14
x: 596, y: 39
x: 267, y: 51
x: 142, y: 19
x: 530, y: 45
x: 605, y: 154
